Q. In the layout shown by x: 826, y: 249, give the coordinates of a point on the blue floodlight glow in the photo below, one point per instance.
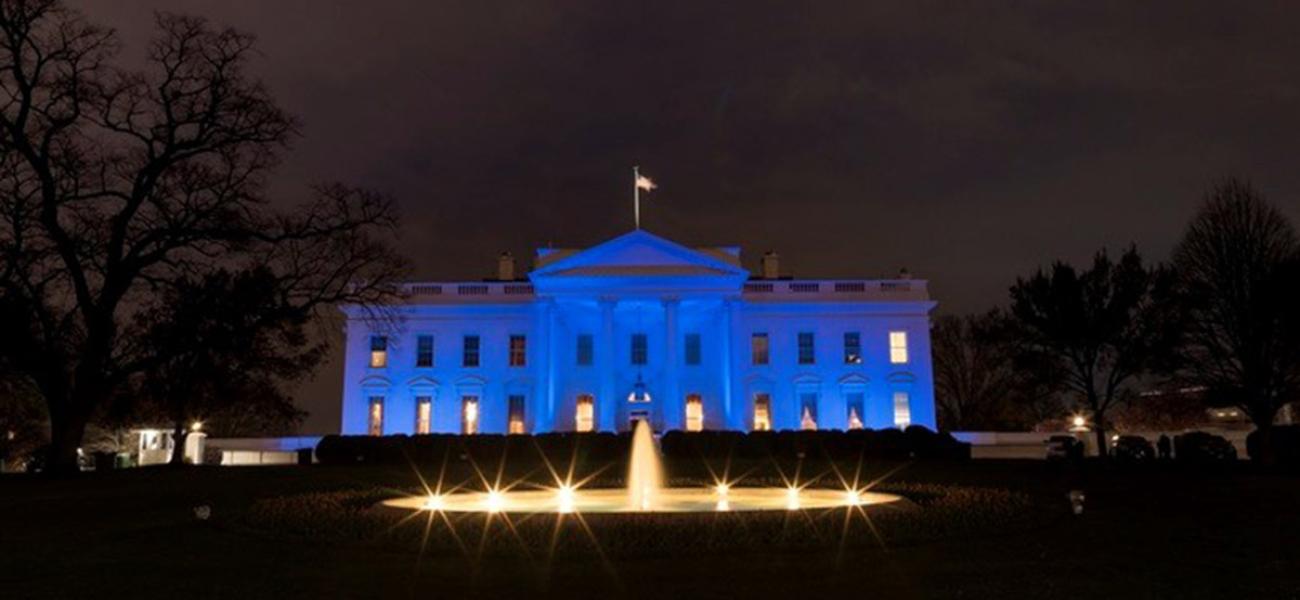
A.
x: 450, y: 365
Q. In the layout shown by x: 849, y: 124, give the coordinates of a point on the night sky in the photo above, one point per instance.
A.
x: 967, y: 143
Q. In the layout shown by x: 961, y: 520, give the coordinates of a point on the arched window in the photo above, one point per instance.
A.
x: 808, y: 411
x: 694, y: 413
x: 762, y: 412
x: 469, y: 415
x: 376, y: 415
x: 516, y: 413
x: 584, y: 414
x: 854, y: 402
x: 902, y: 409
x: 423, y: 414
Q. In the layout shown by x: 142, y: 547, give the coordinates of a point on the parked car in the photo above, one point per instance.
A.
x: 1202, y: 447
x: 1132, y: 448
x: 1064, y: 447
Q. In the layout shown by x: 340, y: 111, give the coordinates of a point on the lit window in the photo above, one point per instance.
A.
x: 585, y: 414
x: 807, y: 354
x: 902, y: 410
x: 469, y: 415
x: 516, y: 423
x: 585, y: 352
x: 638, y: 349
x: 378, y: 351
x: 758, y: 348
x: 898, y: 347
x: 693, y: 349
x: 762, y: 412
x: 424, y: 351
x: 854, y: 400
x: 470, y: 351
x: 694, y: 413
x: 852, y: 348
x: 423, y: 414
x: 808, y: 412
x: 518, y: 350
x: 376, y: 415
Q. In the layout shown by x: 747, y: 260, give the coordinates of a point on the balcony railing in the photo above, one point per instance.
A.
x: 902, y: 289
x: 492, y: 288
x: 868, y: 288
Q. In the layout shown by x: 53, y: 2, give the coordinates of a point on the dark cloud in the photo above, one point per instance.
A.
x: 968, y: 142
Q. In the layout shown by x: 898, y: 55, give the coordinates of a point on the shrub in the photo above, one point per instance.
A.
x: 560, y: 448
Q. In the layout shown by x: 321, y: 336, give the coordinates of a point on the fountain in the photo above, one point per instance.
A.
x: 645, y: 492
x: 644, y: 475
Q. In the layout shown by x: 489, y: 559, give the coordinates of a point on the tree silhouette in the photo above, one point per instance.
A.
x: 117, y: 184
x: 224, y: 347
x: 1239, y: 270
x: 1102, y: 327
x: 979, y: 384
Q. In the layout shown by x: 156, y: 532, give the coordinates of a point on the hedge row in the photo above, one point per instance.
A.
x: 915, y: 442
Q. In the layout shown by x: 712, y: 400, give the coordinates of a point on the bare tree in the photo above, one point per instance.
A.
x: 1239, y: 269
x: 1104, y: 327
x: 115, y: 184
x: 225, y: 347
x: 979, y: 385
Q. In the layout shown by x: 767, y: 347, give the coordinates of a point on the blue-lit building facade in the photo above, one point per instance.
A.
x: 640, y: 327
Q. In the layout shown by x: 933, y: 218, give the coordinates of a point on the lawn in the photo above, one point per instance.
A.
x: 1159, y: 532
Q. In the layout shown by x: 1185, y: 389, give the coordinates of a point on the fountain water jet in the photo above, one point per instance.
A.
x: 644, y: 473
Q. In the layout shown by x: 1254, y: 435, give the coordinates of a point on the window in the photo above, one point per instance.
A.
x: 516, y: 424
x: 469, y: 415
x: 584, y: 350
x: 807, y: 355
x: 902, y: 410
x: 376, y: 426
x: 423, y: 414
x: 470, y: 351
x: 694, y: 413
x: 638, y: 349
x: 584, y: 414
x: 693, y: 349
x: 378, y: 351
x: 424, y: 351
x: 854, y: 400
x: 758, y: 348
x: 852, y: 348
x: 898, y: 347
x: 518, y: 351
x: 808, y: 411
x: 762, y: 412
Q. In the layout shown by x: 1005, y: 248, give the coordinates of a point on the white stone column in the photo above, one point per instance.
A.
x: 727, y: 336
x: 537, y: 408
x: 606, y: 402
x: 552, y: 362
x: 673, y: 405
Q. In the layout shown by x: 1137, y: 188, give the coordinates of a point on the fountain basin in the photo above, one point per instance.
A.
x: 667, y: 500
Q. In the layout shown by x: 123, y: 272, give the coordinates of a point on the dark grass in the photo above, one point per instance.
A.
x: 1155, y: 532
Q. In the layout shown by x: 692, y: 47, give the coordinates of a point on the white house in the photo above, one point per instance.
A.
x: 640, y: 327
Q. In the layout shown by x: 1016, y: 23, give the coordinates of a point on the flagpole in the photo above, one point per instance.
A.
x: 636, y: 196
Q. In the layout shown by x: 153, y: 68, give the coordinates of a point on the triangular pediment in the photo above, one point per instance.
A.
x: 639, y: 254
